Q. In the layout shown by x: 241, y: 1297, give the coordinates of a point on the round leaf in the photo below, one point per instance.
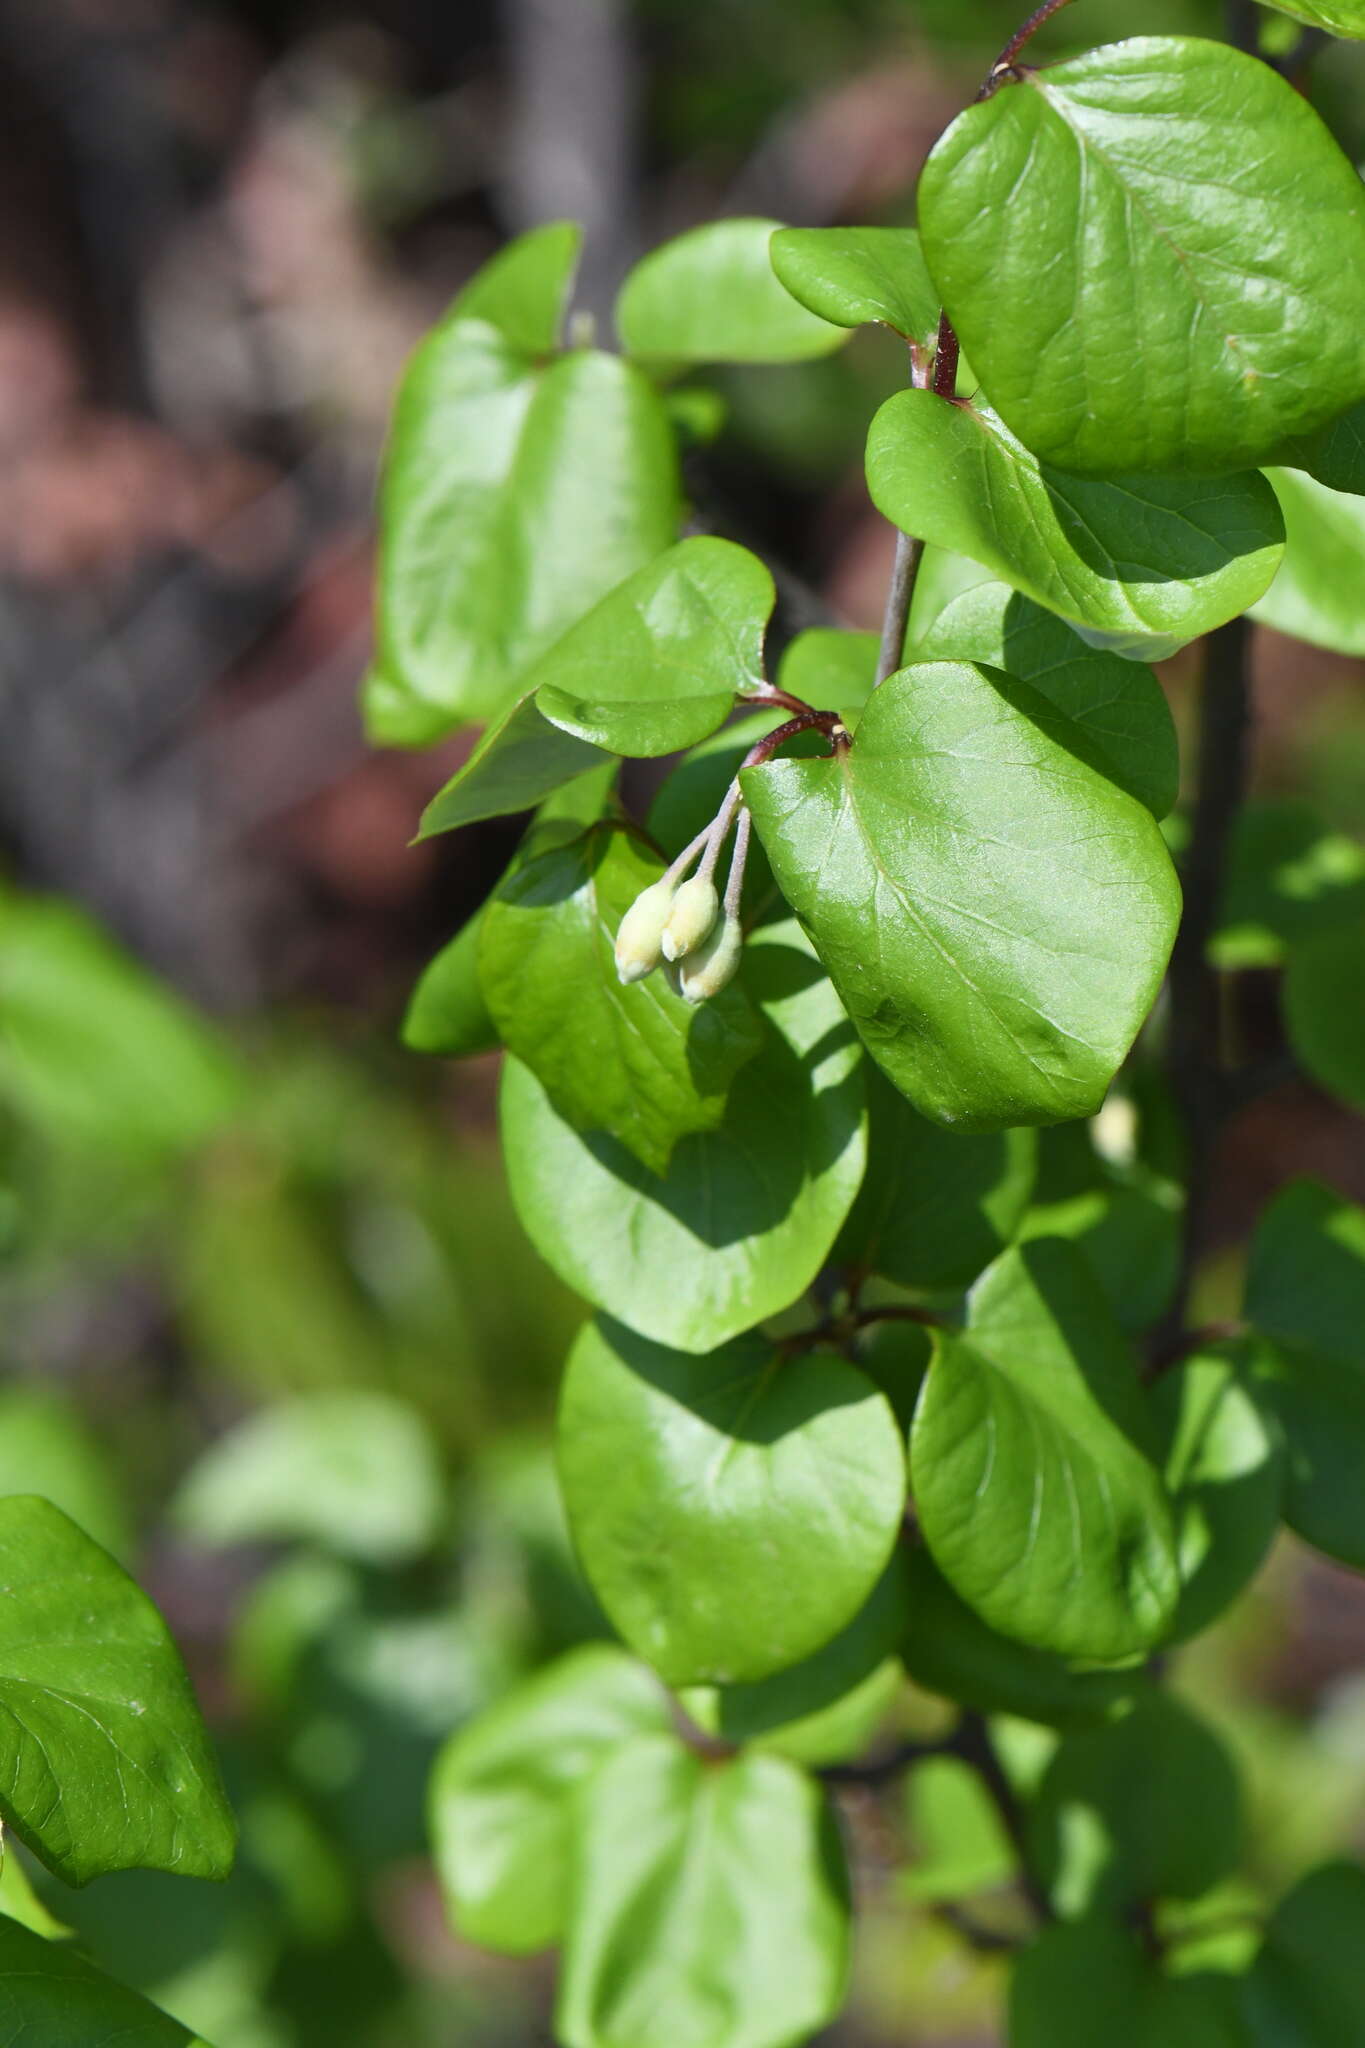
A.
x: 710, y: 1905
x: 710, y: 296
x: 1139, y: 191
x: 1315, y: 596
x: 732, y: 1512
x: 855, y: 275
x: 745, y: 1216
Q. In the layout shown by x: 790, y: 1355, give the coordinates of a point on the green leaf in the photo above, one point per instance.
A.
x: 524, y: 290
x: 637, y: 1062
x: 1126, y: 1222
x: 46, y: 1448
x: 653, y: 668
x: 1119, y: 709
x: 744, y: 1218
x: 710, y: 1905
x: 949, y: 1650
x: 995, y: 914
x: 1090, y: 1982
x: 831, y: 669
x: 19, y: 1901
x: 513, y: 499
x: 958, y: 1844
x: 1029, y: 1465
x: 710, y: 296
x: 97, y: 1051
x: 733, y: 1512
x: 104, y: 1761
x: 1315, y: 596
x: 1147, y: 1806
x: 856, y: 275
x: 49, y: 1994
x: 1140, y: 565
x: 1288, y: 877
x: 1305, y: 1285
x: 447, y: 1013
x: 1335, y: 456
x: 826, y: 1709
x: 502, y: 1793
x: 935, y: 1206
x: 1224, y: 1466
x: 355, y: 1471
x: 1338, y: 17
x: 1139, y: 191
x: 1324, y: 1008
x: 1305, y: 1989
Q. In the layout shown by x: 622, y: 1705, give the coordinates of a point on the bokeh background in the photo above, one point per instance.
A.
x: 223, y: 1184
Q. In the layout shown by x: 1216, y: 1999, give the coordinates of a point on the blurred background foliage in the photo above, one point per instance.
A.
x: 267, y: 1325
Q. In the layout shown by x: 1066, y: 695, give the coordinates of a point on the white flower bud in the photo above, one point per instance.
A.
x: 695, y: 909
x: 707, y: 971
x: 639, y: 937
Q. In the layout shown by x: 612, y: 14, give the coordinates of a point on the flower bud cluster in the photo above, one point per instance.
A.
x: 682, y: 926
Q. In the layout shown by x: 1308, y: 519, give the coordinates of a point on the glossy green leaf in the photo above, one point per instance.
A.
x: 745, y: 1216
x: 958, y: 1844
x: 1119, y: 709
x: 513, y: 499
x: 853, y: 276
x: 1090, y: 1982
x: 50, y: 1995
x: 1335, y: 456
x: 949, y: 1650
x: 995, y: 914
x: 1140, y: 565
x: 1316, y: 595
x: 1224, y: 1467
x: 1305, y: 1285
x: 1146, y: 1806
x: 733, y: 1512
x: 1288, y: 876
x: 1306, y: 1988
x: 1138, y: 195
x: 523, y: 291
x: 1030, y: 1467
x: 828, y: 1708
x: 637, y: 1062
x: 1338, y: 17
x: 502, y: 1793
x: 829, y: 668
x: 710, y: 296
x: 447, y: 1013
x: 710, y: 1905
x: 653, y: 668
x: 104, y: 1761
x: 47, y: 1448
x: 1324, y: 1007
x: 935, y: 1206
x: 355, y: 1471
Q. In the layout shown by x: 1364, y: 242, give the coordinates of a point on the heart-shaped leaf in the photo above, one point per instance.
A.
x: 853, y: 276
x: 1138, y: 193
x: 996, y: 915
x: 733, y: 1512
x: 745, y: 1216
x: 710, y: 296
x: 711, y: 1905
x: 1141, y: 565
x: 1030, y: 1467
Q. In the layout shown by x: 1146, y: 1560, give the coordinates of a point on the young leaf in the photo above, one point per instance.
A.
x: 1306, y: 1987
x: 1138, y: 193
x: 104, y: 1760
x: 1224, y: 1467
x: 1091, y: 1982
x: 828, y: 1708
x: 447, y: 1013
x: 853, y: 276
x: 637, y: 1062
x: 654, y: 667
x: 745, y: 1216
x: 524, y: 290
x: 1029, y: 1465
x: 1147, y: 1806
x: 1316, y: 594
x: 503, y: 1787
x: 513, y: 499
x: 949, y: 1650
x: 995, y: 914
x: 1288, y: 877
x: 1324, y: 1007
x: 1304, y: 1289
x: 710, y: 296
x: 935, y: 1206
x: 353, y: 1470
x: 733, y: 1512
x: 1140, y: 565
x: 1119, y: 709
x: 710, y: 1905
x: 50, y: 1994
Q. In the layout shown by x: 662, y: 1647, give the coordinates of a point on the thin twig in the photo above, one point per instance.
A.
x: 1014, y: 48
x: 975, y: 1746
